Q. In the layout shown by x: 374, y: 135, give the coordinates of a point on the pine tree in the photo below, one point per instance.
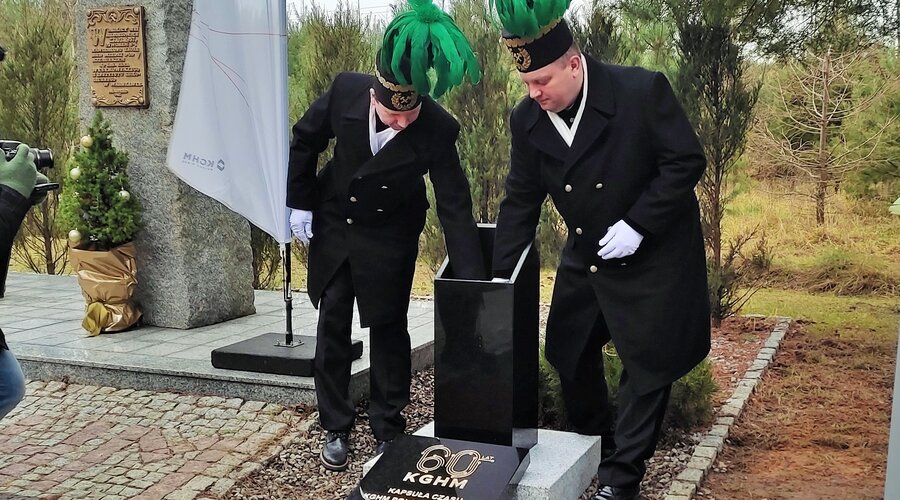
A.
x: 38, y: 106
x: 96, y: 205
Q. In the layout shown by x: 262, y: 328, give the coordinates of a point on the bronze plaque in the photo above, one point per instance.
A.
x: 117, y: 57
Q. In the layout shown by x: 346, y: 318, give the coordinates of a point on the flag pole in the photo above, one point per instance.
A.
x: 286, y: 248
x: 288, y: 297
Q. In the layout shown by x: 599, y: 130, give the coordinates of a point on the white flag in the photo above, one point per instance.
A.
x: 230, y: 139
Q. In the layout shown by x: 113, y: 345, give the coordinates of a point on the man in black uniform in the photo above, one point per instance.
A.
x: 612, y: 147
x: 363, y: 212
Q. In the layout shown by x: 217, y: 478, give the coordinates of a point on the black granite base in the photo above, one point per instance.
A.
x: 266, y: 353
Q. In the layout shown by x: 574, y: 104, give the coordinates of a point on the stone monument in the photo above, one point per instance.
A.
x: 194, y: 257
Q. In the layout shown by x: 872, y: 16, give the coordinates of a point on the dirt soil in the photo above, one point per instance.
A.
x: 817, y: 427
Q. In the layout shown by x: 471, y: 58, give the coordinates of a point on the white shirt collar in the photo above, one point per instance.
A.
x: 377, y: 140
x: 566, y: 132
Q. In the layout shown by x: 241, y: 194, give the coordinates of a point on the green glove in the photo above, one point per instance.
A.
x: 19, y: 173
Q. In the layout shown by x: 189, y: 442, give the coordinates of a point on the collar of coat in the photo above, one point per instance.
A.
x: 399, y: 151
x: 600, y: 105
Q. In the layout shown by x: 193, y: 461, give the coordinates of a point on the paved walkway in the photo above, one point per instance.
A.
x: 41, y: 316
x: 82, y: 441
x: 142, y: 413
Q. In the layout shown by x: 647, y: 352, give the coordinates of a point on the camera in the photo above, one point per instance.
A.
x: 43, y: 158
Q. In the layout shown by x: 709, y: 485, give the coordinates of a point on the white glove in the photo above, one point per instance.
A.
x: 620, y: 241
x: 500, y: 280
x: 301, y: 225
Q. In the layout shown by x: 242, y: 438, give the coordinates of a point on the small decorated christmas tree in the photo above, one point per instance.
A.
x: 96, y: 205
x: 97, y: 209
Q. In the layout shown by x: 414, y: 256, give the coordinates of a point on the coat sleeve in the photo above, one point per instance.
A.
x: 520, y: 209
x: 13, y: 208
x: 311, y: 134
x: 680, y: 161
x: 454, y: 209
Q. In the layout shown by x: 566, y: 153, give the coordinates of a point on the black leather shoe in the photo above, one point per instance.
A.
x: 381, y: 446
x: 616, y: 493
x: 335, y: 453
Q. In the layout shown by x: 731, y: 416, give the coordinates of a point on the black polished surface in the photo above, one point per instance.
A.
x: 416, y: 467
x: 486, y: 353
x: 263, y: 354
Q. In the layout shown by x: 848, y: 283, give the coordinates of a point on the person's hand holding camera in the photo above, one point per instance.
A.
x: 21, y: 175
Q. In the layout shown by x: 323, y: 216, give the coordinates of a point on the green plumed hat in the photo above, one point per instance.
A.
x: 534, y: 31
x: 422, y: 39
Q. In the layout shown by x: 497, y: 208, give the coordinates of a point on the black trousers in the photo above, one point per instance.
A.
x: 628, y: 438
x: 389, y: 357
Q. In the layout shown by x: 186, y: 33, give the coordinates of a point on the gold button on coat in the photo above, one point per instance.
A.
x: 578, y: 230
x: 593, y: 269
x: 568, y: 188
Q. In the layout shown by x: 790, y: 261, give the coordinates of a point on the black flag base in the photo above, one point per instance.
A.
x: 416, y: 467
x: 281, y: 353
x: 270, y: 353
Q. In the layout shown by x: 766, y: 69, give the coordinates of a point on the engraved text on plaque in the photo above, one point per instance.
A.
x: 117, y: 58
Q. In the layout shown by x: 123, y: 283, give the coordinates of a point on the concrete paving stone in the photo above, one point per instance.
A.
x: 709, y: 452
x: 182, y: 494
x: 120, y: 480
x: 222, y: 486
x: 200, y: 483
x: 719, y: 430
x: 115, y: 489
x: 682, y: 489
x: 140, y: 484
x: 691, y: 476
x: 129, y: 492
x: 28, y: 323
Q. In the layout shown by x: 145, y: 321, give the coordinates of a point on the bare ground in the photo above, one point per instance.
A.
x: 817, y: 427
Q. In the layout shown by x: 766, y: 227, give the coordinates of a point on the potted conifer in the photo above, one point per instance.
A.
x: 101, y: 217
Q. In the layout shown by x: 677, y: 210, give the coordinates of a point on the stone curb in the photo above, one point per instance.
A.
x: 688, y: 481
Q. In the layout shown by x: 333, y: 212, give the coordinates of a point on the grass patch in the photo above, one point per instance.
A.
x: 856, y: 252
x: 826, y: 314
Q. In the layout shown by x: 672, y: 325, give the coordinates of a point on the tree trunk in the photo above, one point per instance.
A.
x: 47, y: 235
x: 821, y: 187
x: 825, y: 120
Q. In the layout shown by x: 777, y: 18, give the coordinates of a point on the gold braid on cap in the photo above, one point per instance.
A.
x: 393, y: 86
x: 521, y: 41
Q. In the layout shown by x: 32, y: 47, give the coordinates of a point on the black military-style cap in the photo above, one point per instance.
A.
x: 535, y: 52
x: 392, y: 94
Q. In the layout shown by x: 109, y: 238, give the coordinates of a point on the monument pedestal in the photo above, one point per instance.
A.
x: 486, y: 391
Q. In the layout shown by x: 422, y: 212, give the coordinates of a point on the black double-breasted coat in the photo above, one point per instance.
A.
x: 369, y: 210
x: 636, y: 158
x: 13, y: 208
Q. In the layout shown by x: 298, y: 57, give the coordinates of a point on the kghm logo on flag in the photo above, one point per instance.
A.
x: 195, y: 160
